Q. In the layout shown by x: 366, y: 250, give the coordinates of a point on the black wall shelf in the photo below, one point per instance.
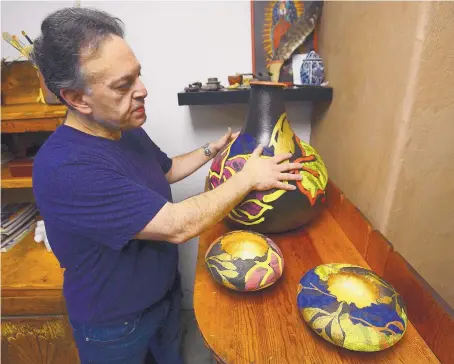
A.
x: 303, y: 93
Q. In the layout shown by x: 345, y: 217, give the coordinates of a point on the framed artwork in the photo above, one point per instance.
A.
x: 270, y: 20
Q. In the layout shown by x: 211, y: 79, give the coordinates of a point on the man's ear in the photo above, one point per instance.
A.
x: 76, y: 99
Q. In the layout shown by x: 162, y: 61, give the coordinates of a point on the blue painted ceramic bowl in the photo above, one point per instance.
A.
x: 352, y: 307
x: 312, y: 70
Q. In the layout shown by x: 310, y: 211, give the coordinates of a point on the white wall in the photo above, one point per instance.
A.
x: 25, y: 15
x: 180, y: 43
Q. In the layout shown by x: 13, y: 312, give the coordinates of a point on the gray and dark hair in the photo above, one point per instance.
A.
x: 66, y: 35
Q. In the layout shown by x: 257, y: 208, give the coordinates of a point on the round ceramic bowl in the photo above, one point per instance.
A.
x: 352, y: 307
x: 244, y: 261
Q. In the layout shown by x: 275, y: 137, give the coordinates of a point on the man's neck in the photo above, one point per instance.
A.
x: 89, y: 127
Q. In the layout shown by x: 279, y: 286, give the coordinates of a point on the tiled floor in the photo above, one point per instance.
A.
x: 194, y: 349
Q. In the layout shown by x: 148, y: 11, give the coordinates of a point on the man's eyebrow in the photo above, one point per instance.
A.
x: 126, y: 76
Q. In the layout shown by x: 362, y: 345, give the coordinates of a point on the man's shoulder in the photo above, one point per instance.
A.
x: 57, y: 152
x: 139, y: 132
x: 141, y: 135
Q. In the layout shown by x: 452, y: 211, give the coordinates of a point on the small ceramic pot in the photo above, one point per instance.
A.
x: 212, y: 85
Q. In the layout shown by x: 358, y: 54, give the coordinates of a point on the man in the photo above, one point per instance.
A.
x: 102, y: 187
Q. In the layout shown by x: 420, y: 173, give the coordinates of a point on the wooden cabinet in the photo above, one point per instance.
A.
x: 35, y: 326
x: 41, y: 339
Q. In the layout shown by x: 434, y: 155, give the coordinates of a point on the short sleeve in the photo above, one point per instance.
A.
x: 98, y: 202
x: 164, y: 161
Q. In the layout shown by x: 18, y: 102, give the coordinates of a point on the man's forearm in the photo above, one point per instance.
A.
x: 186, y: 164
x: 179, y: 222
x: 200, y: 212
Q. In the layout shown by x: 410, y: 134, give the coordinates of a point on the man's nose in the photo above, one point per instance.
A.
x: 141, y: 90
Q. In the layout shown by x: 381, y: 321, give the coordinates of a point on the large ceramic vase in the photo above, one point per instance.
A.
x: 272, y: 211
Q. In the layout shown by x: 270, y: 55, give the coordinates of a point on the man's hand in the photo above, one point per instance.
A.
x: 216, y: 146
x: 270, y: 172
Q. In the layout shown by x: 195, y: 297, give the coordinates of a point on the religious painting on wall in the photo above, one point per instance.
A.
x: 270, y: 20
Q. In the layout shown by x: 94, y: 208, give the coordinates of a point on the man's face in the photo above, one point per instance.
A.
x: 115, y: 94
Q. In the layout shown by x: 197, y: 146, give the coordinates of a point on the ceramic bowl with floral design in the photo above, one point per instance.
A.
x: 244, y: 261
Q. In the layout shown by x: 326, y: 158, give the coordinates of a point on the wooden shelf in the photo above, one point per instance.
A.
x: 9, y: 181
x: 303, y: 93
x: 32, y: 111
x: 30, y: 125
x: 34, y: 117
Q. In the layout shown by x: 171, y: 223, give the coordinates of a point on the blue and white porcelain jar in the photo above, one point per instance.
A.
x: 312, y: 70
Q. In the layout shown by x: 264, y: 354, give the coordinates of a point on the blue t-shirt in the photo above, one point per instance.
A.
x: 95, y: 195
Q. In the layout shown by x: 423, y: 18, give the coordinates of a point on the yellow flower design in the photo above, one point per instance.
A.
x: 353, y: 288
x: 244, y: 245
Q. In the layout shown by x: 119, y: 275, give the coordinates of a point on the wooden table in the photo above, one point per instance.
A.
x: 266, y: 327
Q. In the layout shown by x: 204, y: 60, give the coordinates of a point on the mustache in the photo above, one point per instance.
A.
x: 138, y: 106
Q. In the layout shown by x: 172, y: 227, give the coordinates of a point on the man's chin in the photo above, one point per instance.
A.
x: 136, y: 123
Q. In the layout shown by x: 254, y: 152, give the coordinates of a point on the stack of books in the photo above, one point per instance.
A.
x: 18, y: 220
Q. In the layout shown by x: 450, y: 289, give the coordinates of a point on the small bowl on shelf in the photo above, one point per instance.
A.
x: 233, y: 79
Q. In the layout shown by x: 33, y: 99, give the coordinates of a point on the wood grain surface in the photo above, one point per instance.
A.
x: 429, y: 313
x: 35, y: 327
x: 32, y: 280
x: 20, y: 83
x: 43, y: 340
x: 31, y: 125
x: 32, y: 111
x: 377, y: 252
x: 30, y: 266
x: 32, y: 117
x: 265, y: 326
x: 431, y: 316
